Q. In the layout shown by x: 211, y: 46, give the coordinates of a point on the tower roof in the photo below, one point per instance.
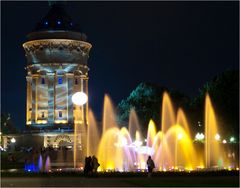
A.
x: 56, y: 19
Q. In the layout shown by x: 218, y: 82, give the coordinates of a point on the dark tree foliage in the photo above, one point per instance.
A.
x: 7, y: 126
x: 224, y: 93
x: 146, y: 99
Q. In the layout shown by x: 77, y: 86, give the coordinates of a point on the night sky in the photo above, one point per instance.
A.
x: 180, y: 45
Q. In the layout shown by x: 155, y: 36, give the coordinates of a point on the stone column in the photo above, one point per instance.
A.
x: 70, y: 82
x: 86, y: 90
x: 29, y: 100
x: 34, y: 98
x: 51, y: 97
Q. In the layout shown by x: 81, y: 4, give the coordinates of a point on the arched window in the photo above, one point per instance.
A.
x: 76, y: 81
x: 43, y: 81
x: 60, y: 114
x: 60, y: 81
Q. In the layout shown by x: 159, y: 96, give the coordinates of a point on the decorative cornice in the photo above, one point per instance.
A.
x: 59, y: 44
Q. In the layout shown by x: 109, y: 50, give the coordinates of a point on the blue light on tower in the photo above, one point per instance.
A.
x: 58, y: 22
x: 46, y: 23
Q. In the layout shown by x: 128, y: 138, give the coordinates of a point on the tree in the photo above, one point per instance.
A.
x: 7, y: 126
x: 224, y: 92
x: 146, y: 99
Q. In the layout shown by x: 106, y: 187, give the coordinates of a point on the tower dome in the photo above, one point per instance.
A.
x: 56, y: 19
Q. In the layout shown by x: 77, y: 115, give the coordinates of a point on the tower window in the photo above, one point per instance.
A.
x: 76, y: 81
x: 60, y: 114
x: 42, y: 114
x: 43, y: 81
x: 60, y: 80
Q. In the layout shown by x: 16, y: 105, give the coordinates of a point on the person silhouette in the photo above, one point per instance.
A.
x: 95, y: 163
x: 150, y: 165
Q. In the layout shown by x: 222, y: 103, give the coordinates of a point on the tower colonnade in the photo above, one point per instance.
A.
x: 49, y: 97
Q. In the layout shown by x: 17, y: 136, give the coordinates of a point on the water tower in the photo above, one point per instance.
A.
x: 57, y: 67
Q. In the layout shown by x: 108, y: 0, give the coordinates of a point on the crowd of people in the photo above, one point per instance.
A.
x: 91, y: 165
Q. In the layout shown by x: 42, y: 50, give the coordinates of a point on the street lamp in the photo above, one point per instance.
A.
x: 13, y: 140
x: 79, y: 98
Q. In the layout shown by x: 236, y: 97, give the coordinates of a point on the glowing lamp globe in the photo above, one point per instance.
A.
x: 13, y: 140
x: 79, y: 98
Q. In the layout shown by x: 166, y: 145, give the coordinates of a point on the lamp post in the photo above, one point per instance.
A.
x: 13, y: 141
x: 79, y: 99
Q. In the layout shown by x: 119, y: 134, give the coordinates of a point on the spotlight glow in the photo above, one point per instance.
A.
x: 232, y: 139
x: 217, y: 136
x: 180, y: 136
x: 224, y: 141
x: 79, y: 98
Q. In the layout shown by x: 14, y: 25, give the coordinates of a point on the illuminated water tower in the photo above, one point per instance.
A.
x: 57, y: 55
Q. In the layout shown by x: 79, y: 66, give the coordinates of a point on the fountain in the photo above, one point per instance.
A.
x: 212, y: 136
x: 172, y: 146
x: 40, y: 163
x: 47, y: 165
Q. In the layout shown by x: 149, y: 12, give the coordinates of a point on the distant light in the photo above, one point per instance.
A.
x: 46, y: 23
x: 217, y: 137
x: 71, y: 23
x: 199, y: 136
x: 13, y: 140
x: 79, y: 98
x: 58, y: 22
x: 224, y: 141
x: 232, y: 139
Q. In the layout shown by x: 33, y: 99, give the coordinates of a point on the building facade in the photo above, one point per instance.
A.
x: 57, y: 56
x: 57, y: 67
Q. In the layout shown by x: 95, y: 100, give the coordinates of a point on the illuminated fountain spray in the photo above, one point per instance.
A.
x: 212, y: 137
x: 40, y: 163
x: 133, y: 124
x: 93, y: 137
x: 47, y: 164
x: 172, y: 147
x: 168, y: 119
x: 126, y: 149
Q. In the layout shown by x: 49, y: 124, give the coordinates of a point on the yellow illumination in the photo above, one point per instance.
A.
x: 41, y: 121
x: 78, y: 121
x: 29, y: 122
x: 180, y: 136
x: 60, y: 121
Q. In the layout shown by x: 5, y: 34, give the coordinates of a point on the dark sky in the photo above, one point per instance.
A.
x: 180, y: 45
